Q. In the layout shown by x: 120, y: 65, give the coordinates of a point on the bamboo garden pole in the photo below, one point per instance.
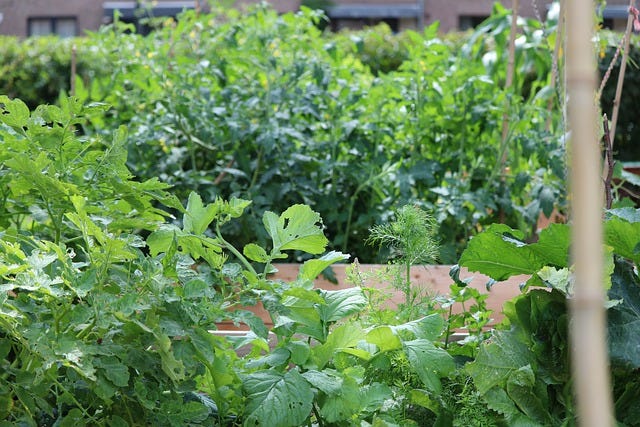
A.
x: 590, y: 366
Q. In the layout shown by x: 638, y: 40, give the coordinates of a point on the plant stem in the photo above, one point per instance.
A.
x: 509, y: 80
x: 556, y: 61
x: 234, y: 251
x: 317, y: 414
x: 623, y: 67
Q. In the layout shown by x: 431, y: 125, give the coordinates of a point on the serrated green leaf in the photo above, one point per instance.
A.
x: 341, y: 304
x: 553, y: 245
x: 429, y: 362
x: 14, y: 113
x: 198, y: 216
x: 498, y: 359
x: 296, y: 229
x: 114, y: 370
x: 327, y: 381
x: 497, y: 254
x: 341, y: 406
x: 275, y: 399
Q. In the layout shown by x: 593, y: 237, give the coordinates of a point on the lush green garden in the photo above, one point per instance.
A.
x: 153, y: 204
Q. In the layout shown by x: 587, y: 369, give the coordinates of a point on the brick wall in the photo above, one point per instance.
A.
x: 89, y: 13
x: 16, y: 13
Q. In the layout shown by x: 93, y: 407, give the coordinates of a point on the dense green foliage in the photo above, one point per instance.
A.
x: 268, y: 108
x: 531, y: 383
x: 142, y: 213
x: 108, y: 304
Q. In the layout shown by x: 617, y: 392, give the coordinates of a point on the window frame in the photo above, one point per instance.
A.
x: 53, y: 23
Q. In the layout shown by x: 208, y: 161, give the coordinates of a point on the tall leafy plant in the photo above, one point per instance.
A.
x: 528, y: 385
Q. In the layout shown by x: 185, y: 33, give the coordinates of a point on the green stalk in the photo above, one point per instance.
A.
x: 234, y: 251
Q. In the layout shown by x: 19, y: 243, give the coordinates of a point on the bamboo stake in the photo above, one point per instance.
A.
x: 72, y: 83
x: 591, y: 380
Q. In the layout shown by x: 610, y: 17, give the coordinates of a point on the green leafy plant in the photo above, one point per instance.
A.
x: 411, y: 240
x: 522, y: 371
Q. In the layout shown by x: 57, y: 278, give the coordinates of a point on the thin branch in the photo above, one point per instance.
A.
x: 509, y: 79
x: 556, y: 59
x: 609, y: 163
x: 623, y: 67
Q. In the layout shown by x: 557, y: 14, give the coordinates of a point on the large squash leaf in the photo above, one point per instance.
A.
x: 624, y: 318
x: 276, y: 399
x: 499, y: 252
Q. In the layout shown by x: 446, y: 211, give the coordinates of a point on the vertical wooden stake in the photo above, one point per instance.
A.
x: 590, y: 365
x: 72, y: 83
x: 555, y: 66
x: 509, y: 79
x: 623, y: 67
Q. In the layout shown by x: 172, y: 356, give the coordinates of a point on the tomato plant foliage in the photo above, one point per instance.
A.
x: 266, y: 108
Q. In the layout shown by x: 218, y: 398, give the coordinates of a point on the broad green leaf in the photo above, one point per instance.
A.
x: 114, y: 370
x: 428, y: 327
x: 624, y: 319
x: 196, y: 289
x: 327, y: 381
x: 307, y: 295
x: 341, y: 406
x: 313, y: 267
x: 300, y: 351
x: 372, y: 396
x: 198, y: 216
x: 560, y: 279
x: 344, y: 336
x: 384, y: 338
x: 160, y: 241
x: 302, y: 310
x: 276, y: 358
x: 296, y: 229
x: 255, y: 253
x: 553, y: 245
x: 14, y: 113
x: 622, y: 232
x: 275, y: 399
x: 429, y: 362
x: 341, y: 303
x: 523, y: 390
x: 498, y: 359
x: 498, y: 253
x: 73, y: 419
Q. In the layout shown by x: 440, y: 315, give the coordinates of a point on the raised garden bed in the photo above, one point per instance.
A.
x: 434, y: 279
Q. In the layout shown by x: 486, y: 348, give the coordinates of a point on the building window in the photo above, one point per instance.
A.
x: 61, y: 26
x: 466, y: 22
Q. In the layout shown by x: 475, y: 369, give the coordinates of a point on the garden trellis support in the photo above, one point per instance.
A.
x: 588, y: 328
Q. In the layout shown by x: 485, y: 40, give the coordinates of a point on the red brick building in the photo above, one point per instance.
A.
x: 73, y: 17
